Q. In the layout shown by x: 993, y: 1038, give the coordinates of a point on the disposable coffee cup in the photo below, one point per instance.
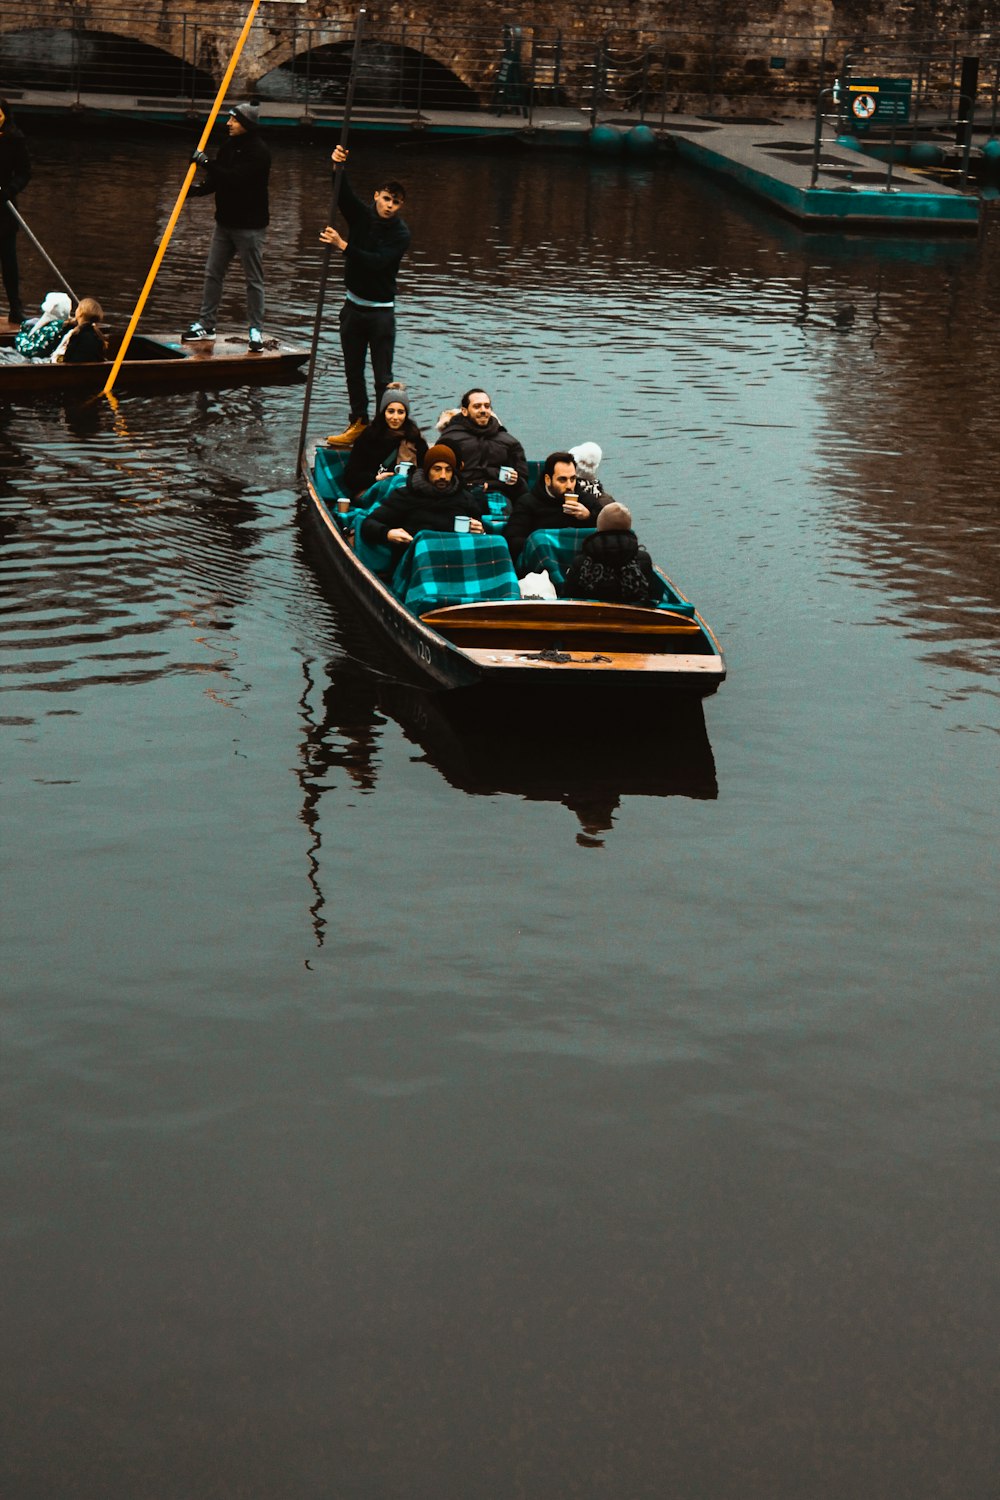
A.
x: 403, y: 468
x: 507, y: 475
x: 461, y: 523
x: 343, y: 506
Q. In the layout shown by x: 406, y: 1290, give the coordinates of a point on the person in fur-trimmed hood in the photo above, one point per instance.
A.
x: 431, y: 498
x: 490, y: 455
x: 611, y: 565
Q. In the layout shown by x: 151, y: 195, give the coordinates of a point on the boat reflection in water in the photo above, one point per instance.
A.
x: 486, y: 744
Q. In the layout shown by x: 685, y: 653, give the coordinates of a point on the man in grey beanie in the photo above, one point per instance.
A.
x: 238, y: 178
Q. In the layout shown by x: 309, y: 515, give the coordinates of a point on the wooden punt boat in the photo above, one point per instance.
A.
x: 513, y: 642
x: 158, y: 362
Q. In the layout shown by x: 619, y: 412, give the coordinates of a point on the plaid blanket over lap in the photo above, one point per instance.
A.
x: 446, y: 567
x: 327, y: 469
x: 552, y: 552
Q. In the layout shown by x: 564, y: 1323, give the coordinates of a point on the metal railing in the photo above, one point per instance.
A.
x: 81, y: 50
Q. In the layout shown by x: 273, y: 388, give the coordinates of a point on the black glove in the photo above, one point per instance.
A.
x: 200, y: 158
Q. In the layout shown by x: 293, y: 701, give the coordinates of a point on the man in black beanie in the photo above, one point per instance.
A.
x: 238, y: 178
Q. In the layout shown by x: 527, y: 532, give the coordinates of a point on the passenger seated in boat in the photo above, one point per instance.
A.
x: 588, y: 460
x: 392, y: 438
x: 39, y: 336
x: 611, y: 565
x: 430, y: 500
x: 491, y: 457
x: 552, y: 503
x: 84, y: 342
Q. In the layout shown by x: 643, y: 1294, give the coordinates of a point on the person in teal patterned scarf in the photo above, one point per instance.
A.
x: 39, y: 337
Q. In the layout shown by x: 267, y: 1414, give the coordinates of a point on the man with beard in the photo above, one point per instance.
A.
x: 15, y: 172
x: 430, y: 500
x: 491, y: 457
x: 552, y: 503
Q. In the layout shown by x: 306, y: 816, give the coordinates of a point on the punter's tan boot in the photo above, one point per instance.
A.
x: 349, y: 438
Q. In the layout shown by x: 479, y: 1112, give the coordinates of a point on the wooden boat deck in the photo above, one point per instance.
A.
x: 156, y: 361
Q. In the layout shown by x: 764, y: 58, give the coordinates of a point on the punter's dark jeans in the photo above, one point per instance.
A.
x: 8, y: 269
x: 248, y: 244
x: 366, y: 330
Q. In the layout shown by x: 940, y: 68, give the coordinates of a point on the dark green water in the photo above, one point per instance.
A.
x: 397, y: 1110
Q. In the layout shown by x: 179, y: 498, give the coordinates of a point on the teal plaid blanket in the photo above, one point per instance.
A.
x: 327, y: 470
x: 552, y: 552
x: 445, y: 567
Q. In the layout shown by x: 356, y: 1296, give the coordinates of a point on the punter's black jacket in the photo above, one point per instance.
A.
x: 611, y: 566
x: 537, y: 510
x: 418, y: 506
x: 15, y: 170
x: 238, y: 178
x: 375, y: 248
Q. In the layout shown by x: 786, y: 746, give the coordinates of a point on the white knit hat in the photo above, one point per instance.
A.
x: 588, y: 458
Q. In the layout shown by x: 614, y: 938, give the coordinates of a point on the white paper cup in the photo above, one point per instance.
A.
x: 461, y: 523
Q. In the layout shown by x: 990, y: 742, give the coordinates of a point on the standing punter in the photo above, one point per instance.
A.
x: 238, y: 178
x: 378, y: 241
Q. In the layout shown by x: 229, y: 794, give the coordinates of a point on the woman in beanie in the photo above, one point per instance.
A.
x: 392, y: 438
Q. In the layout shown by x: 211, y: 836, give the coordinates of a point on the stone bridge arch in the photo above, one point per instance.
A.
x: 281, y: 38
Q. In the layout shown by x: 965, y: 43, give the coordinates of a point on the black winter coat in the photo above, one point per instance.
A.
x: 418, y: 506
x: 375, y: 248
x: 86, y: 346
x: 484, y: 451
x: 238, y: 178
x: 537, y: 510
x: 15, y: 172
x: 612, y: 567
x: 377, y: 443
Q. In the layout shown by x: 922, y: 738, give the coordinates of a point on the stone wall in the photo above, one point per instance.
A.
x: 689, y: 54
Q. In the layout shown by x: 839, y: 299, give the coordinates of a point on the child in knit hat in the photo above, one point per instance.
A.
x: 611, y: 565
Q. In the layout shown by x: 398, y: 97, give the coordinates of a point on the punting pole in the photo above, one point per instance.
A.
x: 188, y: 179
x: 42, y: 252
x: 325, y: 265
